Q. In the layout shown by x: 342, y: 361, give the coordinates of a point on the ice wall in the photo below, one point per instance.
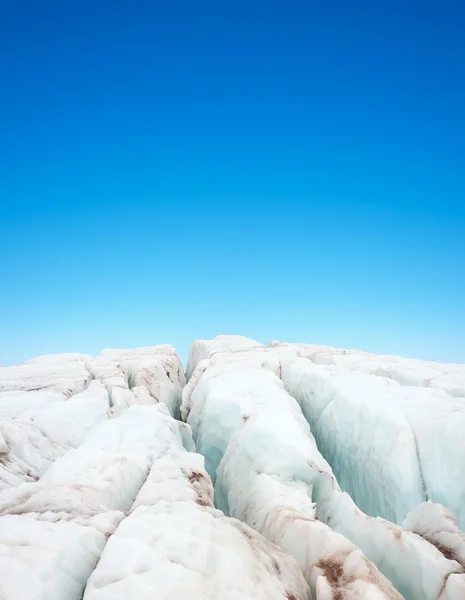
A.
x: 258, y: 447
x: 250, y: 439
x: 391, y: 446
x: 176, y: 543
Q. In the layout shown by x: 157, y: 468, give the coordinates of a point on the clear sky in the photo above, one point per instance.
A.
x: 282, y: 170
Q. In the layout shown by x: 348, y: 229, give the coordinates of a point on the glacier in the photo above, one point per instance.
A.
x: 411, y: 436
x: 288, y: 471
x: 175, y: 542
x: 233, y: 427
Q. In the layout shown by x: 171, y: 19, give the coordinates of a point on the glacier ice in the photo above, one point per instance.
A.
x: 411, y: 437
x: 258, y: 447
x: 349, y: 464
x: 233, y: 426
x: 38, y: 427
x: 67, y: 516
x: 202, y: 349
x: 406, y: 371
x: 437, y: 525
x: 175, y: 542
x: 46, y: 561
x: 154, y: 372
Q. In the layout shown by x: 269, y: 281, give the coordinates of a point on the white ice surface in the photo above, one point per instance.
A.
x: 414, y: 566
x: 46, y: 561
x: 391, y: 446
x: 202, y: 349
x: 219, y: 406
x: 36, y: 428
x: 401, y: 418
x: 437, y: 525
x: 156, y: 369
x: 175, y: 545
x: 242, y: 418
x: 52, y: 532
x: 406, y: 371
x: 62, y: 373
x: 104, y: 473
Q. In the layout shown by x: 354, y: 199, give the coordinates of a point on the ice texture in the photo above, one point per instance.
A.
x: 48, y: 404
x: 154, y: 374
x: 410, y: 437
x: 261, y: 478
x: 55, y: 529
x: 406, y: 371
x: 38, y: 427
x: 259, y: 448
x: 176, y: 543
x: 437, y: 525
x: 202, y: 349
x: 351, y: 463
x: 46, y: 561
x: 91, y: 454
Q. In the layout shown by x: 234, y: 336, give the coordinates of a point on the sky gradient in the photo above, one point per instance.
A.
x: 281, y: 170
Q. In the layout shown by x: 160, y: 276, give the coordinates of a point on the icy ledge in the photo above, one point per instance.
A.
x: 53, y: 532
x: 405, y: 371
x: 176, y: 543
x: 254, y: 447
x: 258, y: 445
x: 390, y: 446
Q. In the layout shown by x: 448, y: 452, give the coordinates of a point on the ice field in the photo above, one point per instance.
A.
x: 281, y: 472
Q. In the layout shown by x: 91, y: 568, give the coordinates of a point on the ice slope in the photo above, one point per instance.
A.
x: 38, y: 427
x: 437, y: 525
x: 48, y: 404
x: 153, y: 373
x: 259, y: 446
x: 131, y: 376
x: 103, y: 474
x: 406, y: 371
x: 62, y: 373
x: 176, y: 545
x: 254, y: 455
x: 259, y: 358
x: 218, y: 404
x: 417, y: 568
x: 46, y: 561
x: 390, y: 446
x: 202, y: 349
x: 53, y: 531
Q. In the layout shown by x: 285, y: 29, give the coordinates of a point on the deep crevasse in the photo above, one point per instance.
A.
x: 123, y: 508
x: 255, y: 446
x: 101, y: 489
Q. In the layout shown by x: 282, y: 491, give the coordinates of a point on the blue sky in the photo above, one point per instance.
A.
x: 282, y: 170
